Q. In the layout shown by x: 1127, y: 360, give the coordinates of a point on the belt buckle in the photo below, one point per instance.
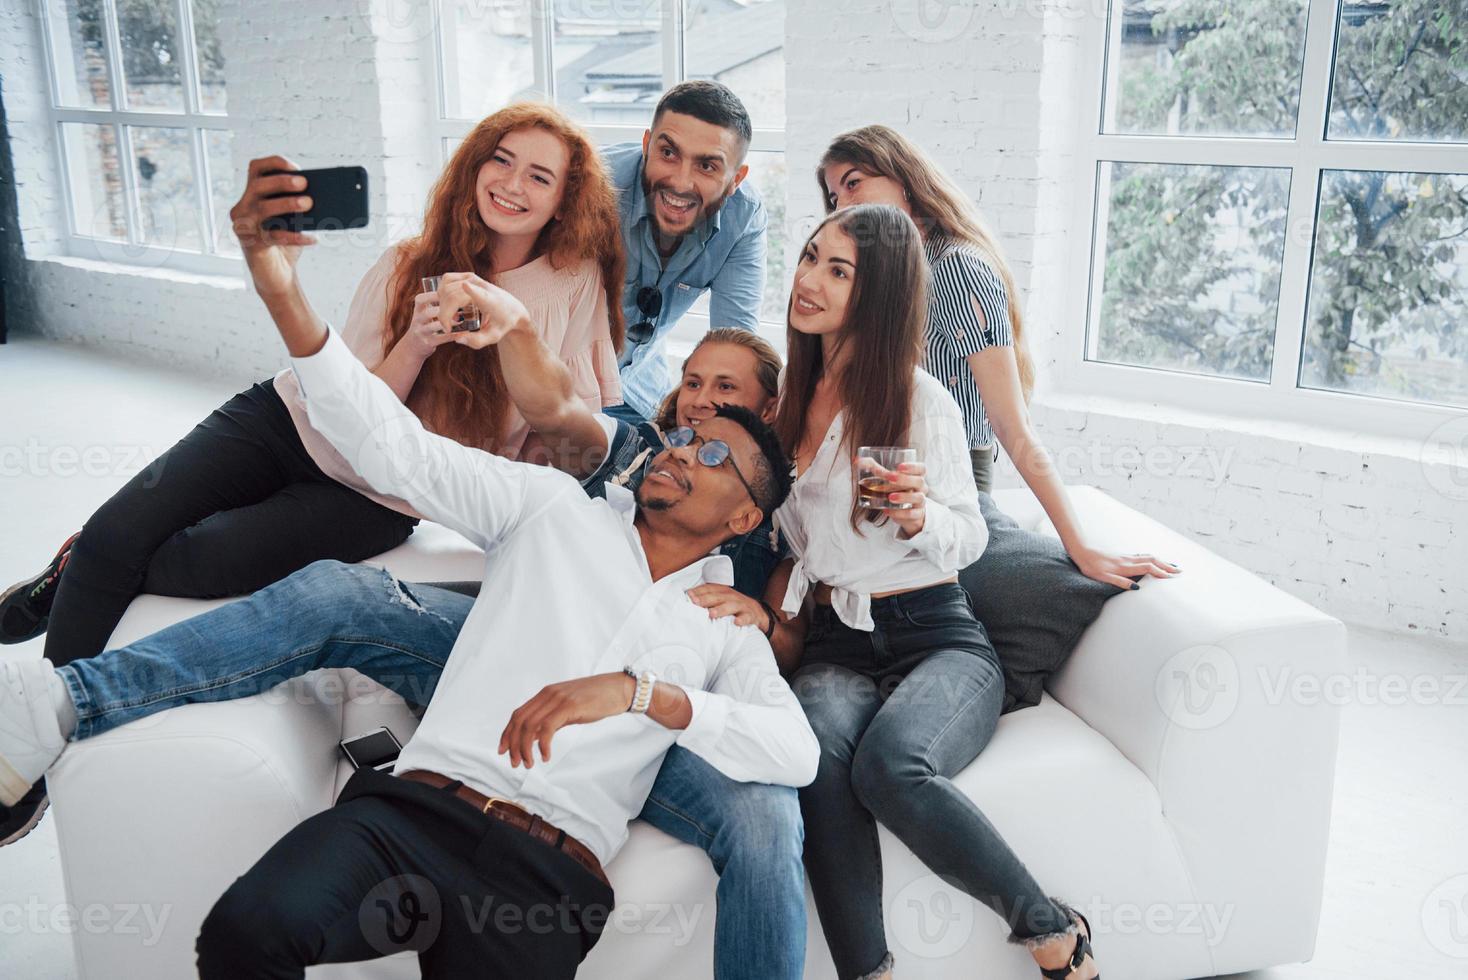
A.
x: 496, y: 799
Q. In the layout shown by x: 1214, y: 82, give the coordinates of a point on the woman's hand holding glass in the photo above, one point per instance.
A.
x: 425, y: 334
x: 906, y: 489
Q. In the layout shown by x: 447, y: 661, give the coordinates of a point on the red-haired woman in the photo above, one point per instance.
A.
x: 253, y: 493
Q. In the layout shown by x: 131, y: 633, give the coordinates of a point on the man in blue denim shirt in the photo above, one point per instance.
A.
x: 690, y: 224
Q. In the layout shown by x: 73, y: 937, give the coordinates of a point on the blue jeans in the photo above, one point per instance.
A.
x: 334, y: 615
x: 899, y: 711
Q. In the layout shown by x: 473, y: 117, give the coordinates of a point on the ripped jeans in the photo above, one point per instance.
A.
x: 330, y: 614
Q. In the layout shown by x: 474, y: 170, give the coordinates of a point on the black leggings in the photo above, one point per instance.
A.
x: 235, y: 505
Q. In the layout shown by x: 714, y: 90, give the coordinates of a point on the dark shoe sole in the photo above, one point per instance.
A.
x: 29, y: 823
x: 19, y: 591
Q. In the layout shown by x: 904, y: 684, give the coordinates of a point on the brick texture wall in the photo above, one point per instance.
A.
x: 1371, y: 532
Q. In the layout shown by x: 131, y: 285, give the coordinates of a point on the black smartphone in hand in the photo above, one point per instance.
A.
x: 338, y: 201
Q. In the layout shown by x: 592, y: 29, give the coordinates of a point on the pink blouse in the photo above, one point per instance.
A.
x: 569, y: 306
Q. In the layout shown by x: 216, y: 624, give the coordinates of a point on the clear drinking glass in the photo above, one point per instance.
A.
x: 471, y: 313
x: 872, y: 485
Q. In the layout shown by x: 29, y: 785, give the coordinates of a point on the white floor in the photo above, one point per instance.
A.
x: 75, y: 425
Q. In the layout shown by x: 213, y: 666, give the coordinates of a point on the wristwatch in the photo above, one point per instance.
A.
x: 642, y: 694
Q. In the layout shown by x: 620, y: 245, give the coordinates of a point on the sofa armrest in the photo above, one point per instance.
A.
x: 1197, y: 679
x: 155, y: 819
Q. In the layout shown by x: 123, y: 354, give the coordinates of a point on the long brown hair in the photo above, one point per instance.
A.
x: 938, y: 207
x: 466, y: 397
x: 883, y: 329
x: 766, y: 371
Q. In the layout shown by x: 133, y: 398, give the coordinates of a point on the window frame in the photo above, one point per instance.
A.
x: 1306, y: 157
x: 194, y: 118
x: 764, y: 140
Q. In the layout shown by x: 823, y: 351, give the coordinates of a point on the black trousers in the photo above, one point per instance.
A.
x: 235, y: 505
x: 396, y: 866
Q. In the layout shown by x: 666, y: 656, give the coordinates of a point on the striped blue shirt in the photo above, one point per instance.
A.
x: 968, y: 310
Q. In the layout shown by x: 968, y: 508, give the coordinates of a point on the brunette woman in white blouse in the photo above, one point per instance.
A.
x: 254, y: 492
x: 974, y: 340
x: 897, y: 677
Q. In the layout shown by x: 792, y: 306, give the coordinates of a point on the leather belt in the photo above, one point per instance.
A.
x: 517, y: 817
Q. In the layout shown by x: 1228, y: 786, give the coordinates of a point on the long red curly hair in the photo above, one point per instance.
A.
x: 460, y: 392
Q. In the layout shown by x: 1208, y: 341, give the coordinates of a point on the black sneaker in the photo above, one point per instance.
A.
x: 25, y: 607
x: 21, y: 819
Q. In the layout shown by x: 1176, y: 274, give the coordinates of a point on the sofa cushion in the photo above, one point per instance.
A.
x: 1032, y: 600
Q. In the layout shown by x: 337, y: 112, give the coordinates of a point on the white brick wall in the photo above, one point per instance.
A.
x: 303, y: 78
x: 990, y: 87
x: 1373, y: 535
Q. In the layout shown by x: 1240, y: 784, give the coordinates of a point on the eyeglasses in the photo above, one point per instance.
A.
x: 649, y: 304
x: 711, y: 452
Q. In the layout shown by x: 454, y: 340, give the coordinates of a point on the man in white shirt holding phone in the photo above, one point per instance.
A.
x: 565, y: 687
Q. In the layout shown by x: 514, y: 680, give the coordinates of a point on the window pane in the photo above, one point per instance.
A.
x: 211, y: 55
x: 223, y: 188
x: 1205, y: 67
x: 609, y: 60
x: 488, y: 58
x: 1401, y: 72
x: 744, y: 49
x: 95, y: 179
x: 150, y: 53
x: 767, y: 172
x: 1190, y: 259
x: 164, y: 172
x: 1389, y: 286
x: 79, y: 52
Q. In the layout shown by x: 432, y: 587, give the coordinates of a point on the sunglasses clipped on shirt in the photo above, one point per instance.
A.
x: 711, y: 453
x: 649, y: 304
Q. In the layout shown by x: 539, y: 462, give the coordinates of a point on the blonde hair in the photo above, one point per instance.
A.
x: 766, y: 372
x: 938, y: 207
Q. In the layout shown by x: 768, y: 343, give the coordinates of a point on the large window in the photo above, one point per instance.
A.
x: 607, y: 63
x: 138, y: 105
x: 1280, y: 208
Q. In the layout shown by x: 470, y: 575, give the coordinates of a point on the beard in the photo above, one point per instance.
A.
x: 709, y: 210
x: 651, y: 503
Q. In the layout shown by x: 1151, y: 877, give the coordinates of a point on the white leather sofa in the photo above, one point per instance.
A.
x: 1168, y: 785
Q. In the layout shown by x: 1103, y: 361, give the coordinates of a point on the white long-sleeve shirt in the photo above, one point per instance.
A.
x: 567, y: 593
x: 816, y: 517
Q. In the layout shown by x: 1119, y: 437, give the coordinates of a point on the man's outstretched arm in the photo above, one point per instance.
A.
x: 538, y: 382
x: 482, y: 496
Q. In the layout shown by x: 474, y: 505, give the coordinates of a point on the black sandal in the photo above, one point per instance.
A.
x: 1078, y: 955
